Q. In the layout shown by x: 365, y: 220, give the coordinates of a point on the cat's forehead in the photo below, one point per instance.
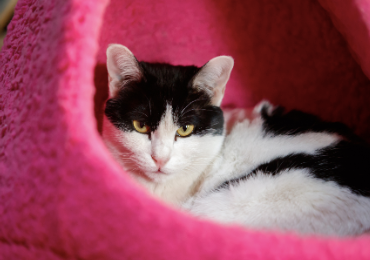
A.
x: 166, y: 74
x: 167, y: 83
x: 164, y: 85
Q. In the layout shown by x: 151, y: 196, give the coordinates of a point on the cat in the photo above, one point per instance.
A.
x: 264, y: 168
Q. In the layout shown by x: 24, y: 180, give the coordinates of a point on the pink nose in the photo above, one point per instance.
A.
x: 160, y: 162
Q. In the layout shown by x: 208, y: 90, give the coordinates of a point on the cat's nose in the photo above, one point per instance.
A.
x: 160, y: 162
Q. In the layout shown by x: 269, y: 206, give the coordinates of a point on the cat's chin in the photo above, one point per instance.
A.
x: 158, y: 177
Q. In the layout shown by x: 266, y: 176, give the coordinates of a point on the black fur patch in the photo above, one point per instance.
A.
x: 295, y: 122
x: 345, y: 163
x: 164, y: 84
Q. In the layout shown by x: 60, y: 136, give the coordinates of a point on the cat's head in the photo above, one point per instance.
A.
x: 163, y: 120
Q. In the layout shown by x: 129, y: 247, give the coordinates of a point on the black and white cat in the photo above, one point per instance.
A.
x: 266, y: 168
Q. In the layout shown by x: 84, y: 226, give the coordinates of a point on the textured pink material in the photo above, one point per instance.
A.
x: 61, y: 194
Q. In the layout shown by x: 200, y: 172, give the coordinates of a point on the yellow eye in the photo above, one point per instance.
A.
x: 185, y: 130
x: 140, y: 127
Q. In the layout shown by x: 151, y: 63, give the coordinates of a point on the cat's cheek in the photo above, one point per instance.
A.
x: 175, y: 166
x: 184, y: 149
x: 139, y: 145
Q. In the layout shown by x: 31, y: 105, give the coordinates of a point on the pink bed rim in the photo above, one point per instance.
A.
x: 62, y: 196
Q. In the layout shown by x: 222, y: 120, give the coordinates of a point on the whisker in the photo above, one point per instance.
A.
x: 205, y: 109
x: 142, y: 113
x: 190, y: 104
x: 150, y: 108
x: 193, y: 110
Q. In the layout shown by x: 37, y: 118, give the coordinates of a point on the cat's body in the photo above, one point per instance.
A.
x: 288, y: 179
x: 264, y: 168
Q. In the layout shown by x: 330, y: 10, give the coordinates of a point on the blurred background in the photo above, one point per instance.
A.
x: 6, y: 14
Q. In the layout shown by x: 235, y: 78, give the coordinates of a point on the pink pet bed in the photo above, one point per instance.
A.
x: 62, y: 196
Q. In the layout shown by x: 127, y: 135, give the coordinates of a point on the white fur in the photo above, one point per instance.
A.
x: 291, y: 200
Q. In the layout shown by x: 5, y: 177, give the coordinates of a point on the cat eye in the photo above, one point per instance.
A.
x: 141, y: 127
x: 185, y: 130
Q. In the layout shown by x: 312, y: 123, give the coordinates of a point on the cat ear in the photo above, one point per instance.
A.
x: 213, y: 76
x: 122, y: 67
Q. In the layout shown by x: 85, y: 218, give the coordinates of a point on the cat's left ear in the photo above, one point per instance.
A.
x: 122, y: 67
x: 213, y: 76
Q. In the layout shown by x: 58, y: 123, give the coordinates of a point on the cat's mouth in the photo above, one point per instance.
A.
x: 160, y: 171
x: 157, y: 176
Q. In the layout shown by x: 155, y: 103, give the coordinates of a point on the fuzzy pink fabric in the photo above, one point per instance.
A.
x: 62, y: 196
